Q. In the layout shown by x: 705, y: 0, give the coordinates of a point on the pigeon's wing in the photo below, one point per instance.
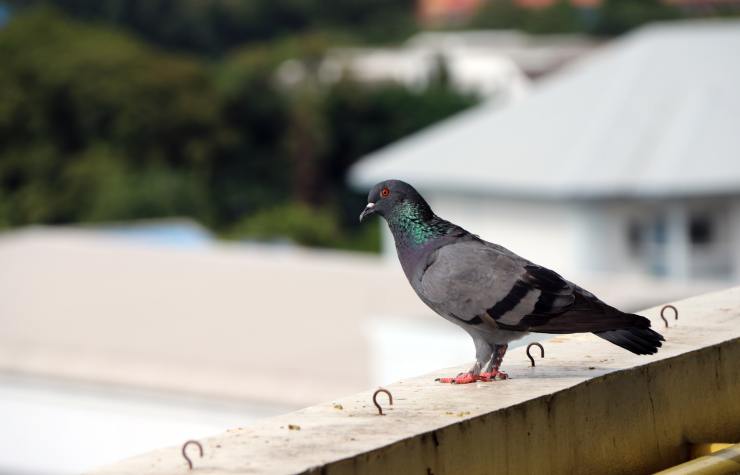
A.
x: 482, y: 283
x: 566, y: 308
x: 476, y: 282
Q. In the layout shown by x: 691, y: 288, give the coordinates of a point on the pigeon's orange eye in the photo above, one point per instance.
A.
x: 385, y: 192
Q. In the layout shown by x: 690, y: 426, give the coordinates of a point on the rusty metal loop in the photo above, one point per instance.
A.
x: 375, y: 399
x: 185, y: 455
x: 542, y: 352
x: 662, y: 311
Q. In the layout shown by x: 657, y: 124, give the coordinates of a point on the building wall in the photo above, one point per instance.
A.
x: 679, y: 239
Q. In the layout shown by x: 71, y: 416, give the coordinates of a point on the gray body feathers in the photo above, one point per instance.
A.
x: 498, y: 296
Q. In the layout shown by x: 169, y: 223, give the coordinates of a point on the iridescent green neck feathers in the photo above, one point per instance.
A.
x: 415, y: 224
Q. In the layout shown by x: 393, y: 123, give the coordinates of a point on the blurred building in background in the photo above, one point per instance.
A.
x: 491, y: 63
x: 446, y: 12
x: 469, y: 70
x: 535, y: 55
x: 547, y: 3
x: 625, y: 162
x: 455, y: 12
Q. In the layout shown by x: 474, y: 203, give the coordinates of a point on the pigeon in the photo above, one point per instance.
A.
x: 495, y: 295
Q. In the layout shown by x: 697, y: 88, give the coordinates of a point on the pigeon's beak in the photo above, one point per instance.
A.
x: 369, y: 209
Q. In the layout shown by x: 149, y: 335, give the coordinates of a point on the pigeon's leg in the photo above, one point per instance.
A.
x: 483, y: 354
x: 491, y: 370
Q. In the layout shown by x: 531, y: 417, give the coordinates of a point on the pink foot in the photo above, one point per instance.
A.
x: 462, y: 378
x: 493, y: 375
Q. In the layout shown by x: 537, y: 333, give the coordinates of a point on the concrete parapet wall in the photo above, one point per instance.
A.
x: 587, y: 407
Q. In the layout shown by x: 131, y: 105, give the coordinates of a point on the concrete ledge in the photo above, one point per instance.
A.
x: 588, y: 407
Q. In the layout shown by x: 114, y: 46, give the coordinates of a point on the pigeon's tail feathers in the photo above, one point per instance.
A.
x: 638, y: 340
x: 585, y: 314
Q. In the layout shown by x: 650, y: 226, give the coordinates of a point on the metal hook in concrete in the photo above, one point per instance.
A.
x: 185, y: 455
x: 662, y: 310
x: 375, y: 399
x: 542, y: 352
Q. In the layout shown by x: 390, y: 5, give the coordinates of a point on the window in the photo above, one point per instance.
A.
x: 701, y: 230
x: 635, y: 237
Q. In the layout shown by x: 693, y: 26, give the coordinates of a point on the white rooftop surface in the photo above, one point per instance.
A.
x: 248, y: 323
x: 653, y: 113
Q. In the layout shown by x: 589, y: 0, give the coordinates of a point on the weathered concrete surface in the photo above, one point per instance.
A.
x: 588, y: 407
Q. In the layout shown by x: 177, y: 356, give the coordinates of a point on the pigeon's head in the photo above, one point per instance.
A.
x: 387, y: 195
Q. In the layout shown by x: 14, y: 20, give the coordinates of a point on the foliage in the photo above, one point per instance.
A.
x: 306, y: 225
x: 363, y: 122
x: 297, y: 221
x: 618, y: 16
x: 79, y: 102
x: 560, y: 17
x: 96, y: 125
x: 215, y: 26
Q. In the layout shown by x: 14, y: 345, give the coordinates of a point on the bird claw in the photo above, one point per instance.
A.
x: 493, y: 375
x: 462, y: 378
x: 467, y: 378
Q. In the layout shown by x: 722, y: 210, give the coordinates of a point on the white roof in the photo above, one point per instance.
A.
x: 656, y: 112
x: 228, y: 322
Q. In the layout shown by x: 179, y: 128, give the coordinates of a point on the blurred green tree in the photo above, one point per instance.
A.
x: 215, y: 26
x: 502, y: 15
x: 363, y: 118
x: 96, y: 126
x: 293, y: 221
x: 66, y: 88
x: 560, y: 17
x: 324, y: 129
x: 618, y: 16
